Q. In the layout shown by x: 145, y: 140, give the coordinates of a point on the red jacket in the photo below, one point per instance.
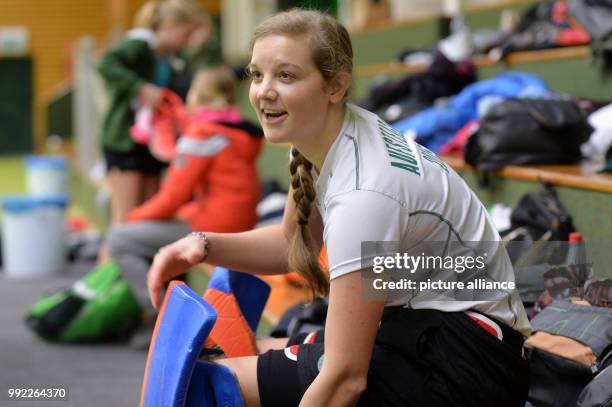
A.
x: 212, y: 182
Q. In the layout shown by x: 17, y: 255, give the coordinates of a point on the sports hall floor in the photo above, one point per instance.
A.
x: 94, y: 375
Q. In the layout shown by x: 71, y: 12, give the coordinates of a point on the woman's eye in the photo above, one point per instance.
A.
x: 255, y: 75
x: 285, y: 76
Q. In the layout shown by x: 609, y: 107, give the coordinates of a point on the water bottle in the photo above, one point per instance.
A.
x: 576, y: 255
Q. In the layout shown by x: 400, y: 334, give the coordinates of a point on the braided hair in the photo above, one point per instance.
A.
x: 303, y: 255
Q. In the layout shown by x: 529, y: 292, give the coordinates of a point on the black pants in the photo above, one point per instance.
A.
x: 420, y: 358
x: 137, y: 159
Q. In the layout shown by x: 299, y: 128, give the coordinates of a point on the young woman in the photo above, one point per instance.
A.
x: 355, y: 180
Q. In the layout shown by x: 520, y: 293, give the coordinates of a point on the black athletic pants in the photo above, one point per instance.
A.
x: 420, y: 358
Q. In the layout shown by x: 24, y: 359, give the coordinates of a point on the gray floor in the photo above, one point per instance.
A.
x: 94, y: 375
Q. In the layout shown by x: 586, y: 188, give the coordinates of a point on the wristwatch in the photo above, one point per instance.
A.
x: 204, y: 241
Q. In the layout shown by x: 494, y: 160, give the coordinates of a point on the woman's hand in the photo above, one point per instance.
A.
x: 150, y: 95
x: 171, y: 261
x: 350, y: 331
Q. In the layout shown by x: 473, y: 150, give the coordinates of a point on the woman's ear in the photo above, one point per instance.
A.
x: 340, y: 86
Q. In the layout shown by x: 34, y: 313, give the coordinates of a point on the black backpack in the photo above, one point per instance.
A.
x: 538, y: 217
x: 528, y: 131
x: 538, y: 223
x: 542, y: 212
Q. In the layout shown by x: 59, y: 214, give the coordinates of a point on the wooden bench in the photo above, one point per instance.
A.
x: 480, y: 61
x: 583, y: 176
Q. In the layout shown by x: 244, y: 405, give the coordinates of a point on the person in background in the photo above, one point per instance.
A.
x: 211, y: 184
x: 129, y: 70
x: 146, y: 22
x: 202, y: 51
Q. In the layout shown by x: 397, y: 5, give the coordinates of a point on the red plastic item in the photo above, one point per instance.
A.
x: 77, y: 224
x: 575, y: 237
x: 231, y: 332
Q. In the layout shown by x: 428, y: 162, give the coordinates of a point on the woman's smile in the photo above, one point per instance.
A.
x: 273, y: 116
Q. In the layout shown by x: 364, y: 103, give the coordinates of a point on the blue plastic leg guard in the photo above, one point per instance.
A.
x: 251, y: 292
x: 213, y: 385
x: 184, y: 322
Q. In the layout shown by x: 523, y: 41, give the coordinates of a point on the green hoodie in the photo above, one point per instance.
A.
x: 125, y: 68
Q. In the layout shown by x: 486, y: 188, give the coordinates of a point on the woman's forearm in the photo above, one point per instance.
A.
x: 258, y: 251
x: 334, y: 391
x: 350, y: 332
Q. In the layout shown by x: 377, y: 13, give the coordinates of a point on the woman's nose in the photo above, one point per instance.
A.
x: 267, y: 91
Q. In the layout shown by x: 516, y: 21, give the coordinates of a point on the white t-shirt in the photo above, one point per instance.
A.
x: 378, y: 186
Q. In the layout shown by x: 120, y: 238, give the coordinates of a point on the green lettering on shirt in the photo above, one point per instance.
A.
x: 411, y: 168
x: 399, y: 151
x: 431, y: 157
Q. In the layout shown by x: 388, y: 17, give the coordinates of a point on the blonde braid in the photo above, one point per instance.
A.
x: 303, y: 255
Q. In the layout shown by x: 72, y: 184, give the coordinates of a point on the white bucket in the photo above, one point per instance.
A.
x: 46, y: 175
x: 33, y: 243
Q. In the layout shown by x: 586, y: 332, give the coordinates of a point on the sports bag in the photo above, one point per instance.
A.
x: 528, y: 131
x: 575, y: 345
x: 542, y: 212
x: 99, y: 307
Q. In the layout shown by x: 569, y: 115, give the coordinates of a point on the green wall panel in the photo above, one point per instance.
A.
x: 59, y: 115
x: 243, y: 102
x: 489, y: 18
x: 12, y: 177
x: 274, y: 163
x: 362, y: 84
x: 84, y: 192
x: 16, y: 115
x: 574, y: 76
x: 385, y: 44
